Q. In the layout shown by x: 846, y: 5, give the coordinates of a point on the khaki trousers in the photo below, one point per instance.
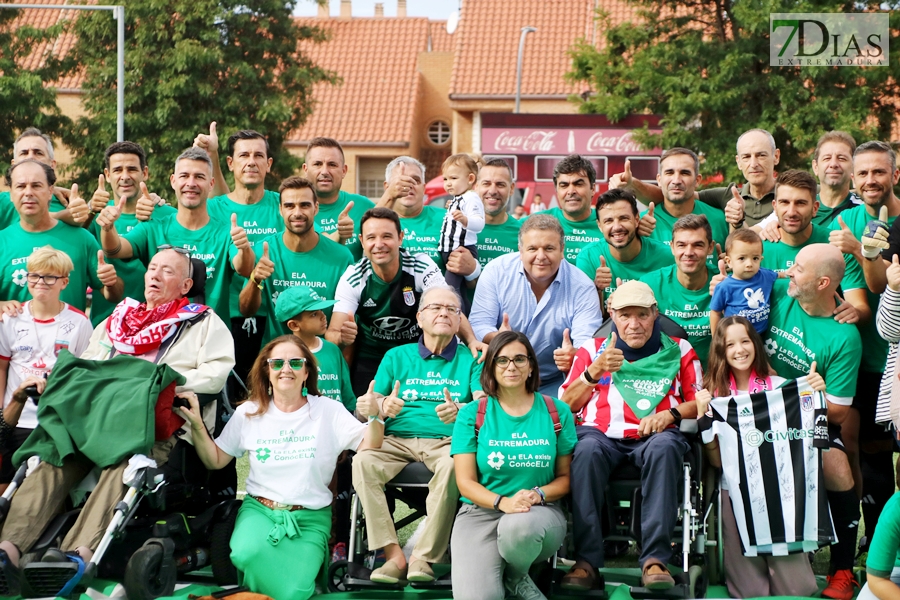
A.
x: 373, y: 468
x: 43, y: 494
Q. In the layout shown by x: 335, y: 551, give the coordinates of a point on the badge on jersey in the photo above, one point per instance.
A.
x: 408, y: 296
x: 60, y: 345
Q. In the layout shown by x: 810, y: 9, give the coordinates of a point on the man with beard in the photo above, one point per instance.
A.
x: 574, y: 178
x: 298, y: 256
x: 679, y: 175
x: 501, y: 232
x: 623, y: 255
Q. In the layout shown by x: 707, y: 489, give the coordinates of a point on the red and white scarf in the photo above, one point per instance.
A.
x: 757, y: 383
x: 135, y: 330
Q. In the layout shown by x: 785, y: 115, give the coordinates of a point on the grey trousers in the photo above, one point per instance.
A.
x: 485, y: 543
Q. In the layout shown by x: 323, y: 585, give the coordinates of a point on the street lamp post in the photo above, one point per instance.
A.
x: 118, y: 12
x: 525, y: 32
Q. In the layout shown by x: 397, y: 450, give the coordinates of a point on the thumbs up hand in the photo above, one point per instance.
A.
x: 367, y: 404
x: 106, y: 273
x: 238, y: 234
x: 345, y: 223
x: 621, y: 180
x: 393, y: 404
x: 875, y: 238
x: 145, y: 204
x: 565, y: 354
x: 101, y: 197
x: 78, y: 208
x: 717, y: 279
x: 603, y: 275
x: 349, y: 330
x: 893, y: 273
x: 844, y: 240
x: 208, y: 142
x: 734, y: 210
x: 110, y: 214
x: 505, y: 325
x: 265, y: 267
x: 609, y: 361
x: 648, y: 222
x: 448, y: 409
x: 816, y: 381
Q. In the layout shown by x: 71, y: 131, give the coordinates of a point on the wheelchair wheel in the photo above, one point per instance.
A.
x: 336, y: 572
x: 223, y: 570
x: 143, y: 575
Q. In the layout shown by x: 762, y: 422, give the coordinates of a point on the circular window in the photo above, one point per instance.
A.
x: 439, y: 133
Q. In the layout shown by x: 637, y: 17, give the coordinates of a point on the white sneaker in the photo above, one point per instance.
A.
x: 523, y: 588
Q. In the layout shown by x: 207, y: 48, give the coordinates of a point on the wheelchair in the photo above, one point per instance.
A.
x: 410, y: 486
x: 173, y: 520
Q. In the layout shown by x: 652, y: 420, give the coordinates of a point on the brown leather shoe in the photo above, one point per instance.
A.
x: 656, y: 576
x: 580, y: 578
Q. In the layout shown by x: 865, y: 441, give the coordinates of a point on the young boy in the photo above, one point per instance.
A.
x: 30, y: 342
x: 300, y: 309
x: 746, y: 292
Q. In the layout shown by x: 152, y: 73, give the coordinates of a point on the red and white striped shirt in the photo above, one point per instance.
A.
x: 606, y: 408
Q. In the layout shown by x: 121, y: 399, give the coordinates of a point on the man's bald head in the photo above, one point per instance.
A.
x: 817, y: 272
x: 827, y: 261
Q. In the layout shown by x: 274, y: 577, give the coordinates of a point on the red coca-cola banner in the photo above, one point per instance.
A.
x: 592, y: 142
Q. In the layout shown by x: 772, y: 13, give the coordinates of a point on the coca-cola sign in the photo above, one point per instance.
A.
x: 528, y: 141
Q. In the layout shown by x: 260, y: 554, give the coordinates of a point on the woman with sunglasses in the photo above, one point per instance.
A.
x: 294, y: 437
x: 511, y: 452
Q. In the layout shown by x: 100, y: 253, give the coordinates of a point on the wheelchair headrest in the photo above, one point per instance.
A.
x: 666, y: 325
x: 198, y: 276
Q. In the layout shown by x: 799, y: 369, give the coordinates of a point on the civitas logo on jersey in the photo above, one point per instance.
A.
x: 755, y: 437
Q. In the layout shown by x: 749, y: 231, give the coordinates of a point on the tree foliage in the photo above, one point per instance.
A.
x: 28, y: 69
x: 189, y: 62
x: 703, y: 66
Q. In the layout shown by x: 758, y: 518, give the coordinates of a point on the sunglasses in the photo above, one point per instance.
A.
x: 177, y: 249
x: 277, y: 364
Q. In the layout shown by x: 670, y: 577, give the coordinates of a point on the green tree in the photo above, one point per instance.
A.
x: 189, y: 62
x: 703, y: 66
x: 28, y: 69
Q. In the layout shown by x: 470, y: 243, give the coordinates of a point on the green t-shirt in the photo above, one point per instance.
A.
x: 327, y: 219
x: 421, y: 234
x: 259, y: 220
x: 884, y: 551
x: 334, y: 375
x: 688, y: 308
x: 653, y: 255
x: 211, y: 244
x: 496, y: 240
x: 665, y: 222
x: 514, y: 453
x: 131, y: 271
x: 826, y: 214
x: 18, y: 245
x: 320, y: 268
x: 780, y: 256
x: 8, y: 214
x: 874, y: 358
x: 422, y: 383
x: 796, y: 339
x: 578, y: 233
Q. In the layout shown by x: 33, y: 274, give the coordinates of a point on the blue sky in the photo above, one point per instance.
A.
x: 433, y: 9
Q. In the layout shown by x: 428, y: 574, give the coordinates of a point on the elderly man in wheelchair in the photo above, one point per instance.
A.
x: 630, y: 391
x: 417, y: 390
x: 181, y: 344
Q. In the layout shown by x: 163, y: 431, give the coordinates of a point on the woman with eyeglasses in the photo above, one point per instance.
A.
x: 512, y: 452
x: 294, y: 437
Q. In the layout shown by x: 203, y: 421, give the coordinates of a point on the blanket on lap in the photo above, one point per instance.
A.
x: 103, y: 410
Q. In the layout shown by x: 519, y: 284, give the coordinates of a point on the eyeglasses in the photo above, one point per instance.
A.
x: 48, y: 279
x: 520, y: 360
x: 177, y: 249
x: 277, y: 364
x: 437, y: 308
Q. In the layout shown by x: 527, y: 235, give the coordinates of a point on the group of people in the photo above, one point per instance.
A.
x: 464, y: 338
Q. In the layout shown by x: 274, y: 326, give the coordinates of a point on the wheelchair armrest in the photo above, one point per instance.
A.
x: 689, y: 427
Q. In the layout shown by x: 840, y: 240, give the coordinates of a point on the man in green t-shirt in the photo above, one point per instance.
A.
x: 803, y: 332
x: 325, y: 168
x: 125, y: 169
x: 404, y: 193
x: 682, y: 290
x: 31, y: 183
x: 419, y: 387
x: 623, y: 255
x: 574, y: 178
x: 191, y: 228
x: 501, y: 232
x: 298, y: 256
x: 679, y: 175
x: 756, y: 157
